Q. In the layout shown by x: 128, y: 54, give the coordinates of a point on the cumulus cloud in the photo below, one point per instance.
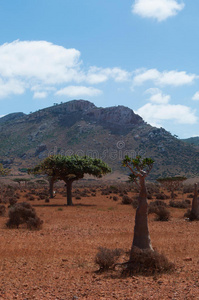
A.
x: 98, y: 75
x: 196, y: 96
x: 40, y: 95
x: 154, y: 113
x: 157, y: 9
x: 78, y: 91
x: 40, y: 63
x: 157, y: 96
x: 172, y: 78
x: 11, y: 86
x: 39, y: 60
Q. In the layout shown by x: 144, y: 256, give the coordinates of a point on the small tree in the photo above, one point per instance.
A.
x: 140, y: 168
x: 20, y: 180
x: 69, y: 169
x: 172, y: 183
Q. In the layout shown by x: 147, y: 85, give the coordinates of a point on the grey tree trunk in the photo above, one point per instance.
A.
x: 141, y: 232
x: 195, y: 202
x: 69, y: 192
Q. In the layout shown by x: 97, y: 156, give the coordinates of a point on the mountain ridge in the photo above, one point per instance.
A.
x: 80, y: 127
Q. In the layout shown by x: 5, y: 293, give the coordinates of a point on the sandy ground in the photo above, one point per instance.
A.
x: 58, y: 261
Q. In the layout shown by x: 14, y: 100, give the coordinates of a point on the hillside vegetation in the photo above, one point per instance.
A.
x: 79, y: 127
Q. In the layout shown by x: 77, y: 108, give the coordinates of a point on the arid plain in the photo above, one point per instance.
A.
x: 58, y: 261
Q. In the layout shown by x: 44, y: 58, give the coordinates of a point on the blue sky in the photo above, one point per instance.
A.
x: 142, y: 54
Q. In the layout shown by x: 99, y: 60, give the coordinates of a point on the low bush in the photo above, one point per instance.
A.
x: 147, y: 262
x: 161, y: 196
x: 23, y: 213
x: 134, y: 203
x: 190, y: 196
x: 179, y: 204
x: 126, y: 200
x: 115, y: 198
x: 191, y: 216
x: 162, y: 214
x: 107, y: 258
x: 12, y: 201
x: 31, y: 197
x: 154, y: 205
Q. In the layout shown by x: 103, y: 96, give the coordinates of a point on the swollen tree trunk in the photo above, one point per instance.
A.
x: 51, y: 185
x: 69, y: 192
x: 195, y: 202
x: 141, y: 232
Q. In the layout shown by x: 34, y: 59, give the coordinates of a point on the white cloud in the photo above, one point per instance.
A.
x: 154, y: 113
x: 1, y: 116
x: 11, y: 86
x: 196, y: 96
x: 39, y: 60
x: 98, y: 75
x: 49, y: 66
x: 40, y: 95
x: 157, y: 9
x: 78, y: 91
x: 157, y: 96
x: 173, y: 78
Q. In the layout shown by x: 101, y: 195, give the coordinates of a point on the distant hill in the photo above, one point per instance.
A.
x: 192, y: 140
x: 79, y: 127
x: 11, y: 117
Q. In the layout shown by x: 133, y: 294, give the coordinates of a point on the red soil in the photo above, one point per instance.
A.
x: 58, y: 261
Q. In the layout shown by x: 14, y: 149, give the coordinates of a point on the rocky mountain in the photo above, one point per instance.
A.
x: 79, y: 127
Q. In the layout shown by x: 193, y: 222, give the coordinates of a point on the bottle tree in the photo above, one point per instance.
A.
x: 195, y: 204
x: 140, y: 169
x: 70, y: 169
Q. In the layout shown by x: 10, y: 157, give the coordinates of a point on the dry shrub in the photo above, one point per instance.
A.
x: 154, y: 206
x: 161, y: 196
x: 12, y: 201
x: 190, y: 196
x: 23, y: 213
x: 126, y: 200
x: 152, y: 188
x: 191, y: 216
x: 179, y: 204
x: 6, y: 192
x: 115, y: 198
x: 162, y: 213
x: 107, y: 258
x: 147, y: 262
x: 134, y: 203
